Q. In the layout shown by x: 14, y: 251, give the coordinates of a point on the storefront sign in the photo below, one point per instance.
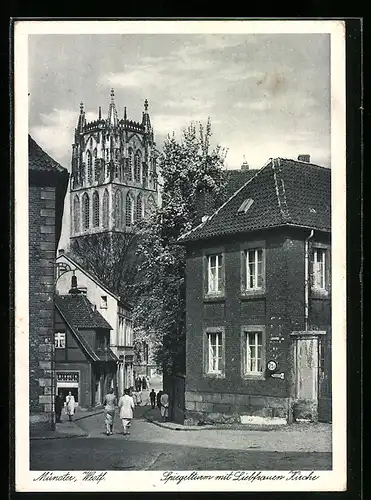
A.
x: 67, y: 376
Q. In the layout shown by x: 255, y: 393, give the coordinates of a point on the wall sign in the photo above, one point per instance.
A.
x: 67, y: 376
x: 278, y: 375
x: 271, y: 365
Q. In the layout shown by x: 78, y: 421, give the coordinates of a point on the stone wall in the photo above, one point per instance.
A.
x: 203, y: 407
x: 41, y: 300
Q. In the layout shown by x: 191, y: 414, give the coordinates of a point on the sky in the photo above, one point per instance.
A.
x: 267, y: 95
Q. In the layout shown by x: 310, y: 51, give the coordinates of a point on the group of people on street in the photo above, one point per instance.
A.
x: 69, y: 404
x: 141, y: 383
x: 125, y: 404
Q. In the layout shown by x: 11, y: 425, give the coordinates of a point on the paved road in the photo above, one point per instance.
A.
x: 150, y: 447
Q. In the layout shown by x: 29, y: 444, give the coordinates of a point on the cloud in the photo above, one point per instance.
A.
x: 164, y: 124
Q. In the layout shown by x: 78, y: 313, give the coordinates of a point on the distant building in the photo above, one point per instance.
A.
x: 114, y: 178
x: 48, y: 182
x: 84, y: 362
x: 115, y: 311
x: 258, y: 279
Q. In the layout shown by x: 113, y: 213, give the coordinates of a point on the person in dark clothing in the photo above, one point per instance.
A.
x: 152, y: 396
x: 159, y: 399
x: 144, y: 383
x: 58, y: 405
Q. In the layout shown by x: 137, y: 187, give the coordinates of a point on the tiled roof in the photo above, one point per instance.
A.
x: 40, y: 161
x: 285, y: 192
x: 79, y: 312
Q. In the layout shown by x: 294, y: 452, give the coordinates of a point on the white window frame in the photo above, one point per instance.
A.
x: 218, y: 277
x: 246, y: 331
x: 316, y: 272
x: 219, y: 370
x: 60, y: 340
x: 256, y: 267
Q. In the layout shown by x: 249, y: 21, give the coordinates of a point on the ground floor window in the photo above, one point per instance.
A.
x: 253, y: 358
x: 214, y: 351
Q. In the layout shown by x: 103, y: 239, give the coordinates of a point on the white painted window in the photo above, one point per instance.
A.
x: 254, y: 269
x: 215, y: 352
x: 60, y: 340
x: 319, y: 268
x: 253, y: 352
x: 215, y: 274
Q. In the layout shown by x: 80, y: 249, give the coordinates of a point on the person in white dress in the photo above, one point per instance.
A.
x: 126, y: 406
x: 70, y: 405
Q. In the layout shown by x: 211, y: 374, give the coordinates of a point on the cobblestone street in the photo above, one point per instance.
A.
x: 150, y: 447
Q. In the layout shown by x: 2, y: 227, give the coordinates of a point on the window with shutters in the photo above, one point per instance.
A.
x: 139, y: 208
x: 137, y: 167
x: 118, y: 209
x: 95, y: 209
x: 90, y: 166
x: 76, y: 214
x: 105, y: 209
x: 85, y: 211
x: 129, y: 216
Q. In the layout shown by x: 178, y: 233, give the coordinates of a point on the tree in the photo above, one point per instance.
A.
x: 112, y: 258
x: 189, y: 169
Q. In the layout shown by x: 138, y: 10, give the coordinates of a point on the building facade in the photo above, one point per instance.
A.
x: 114, y: 174
x: 259, y: 300
x: 116, y: 312
x: 84, y: 362
x: 48, y: 183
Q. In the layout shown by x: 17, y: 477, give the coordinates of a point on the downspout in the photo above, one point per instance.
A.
x: 306, y: 279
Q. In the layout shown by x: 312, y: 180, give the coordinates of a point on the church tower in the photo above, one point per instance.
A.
x: 114, y: 176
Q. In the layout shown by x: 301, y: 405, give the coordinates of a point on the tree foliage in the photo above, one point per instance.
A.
x: 189, y: 168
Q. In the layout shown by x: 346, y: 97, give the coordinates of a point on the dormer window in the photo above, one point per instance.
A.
x: 103, y: 302
x: 245, y: 205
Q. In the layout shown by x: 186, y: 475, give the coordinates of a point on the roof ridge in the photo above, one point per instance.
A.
x: 226, y: 202
x: 281, y: 193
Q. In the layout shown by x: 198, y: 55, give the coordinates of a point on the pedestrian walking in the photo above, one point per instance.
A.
x: 164, y: 400
x: 109, y: 411
x: 126, y: 406
x: 144, y: 383
x: 70, y: 405
x: 152, y: 397
x: 159, y: 399
x: 58, y: 405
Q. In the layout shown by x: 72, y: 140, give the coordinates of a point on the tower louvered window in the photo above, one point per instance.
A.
x: 95, y: 209
x: 129, y: 165
x: 76, y: 214
x: 118, y: 210
x: 105, y: 208
x: 137, y: 167
x: 139, y: 208
x: 90, y: 166
x: 96, y: 166
x: 86, y: 211
x: 129, y: 210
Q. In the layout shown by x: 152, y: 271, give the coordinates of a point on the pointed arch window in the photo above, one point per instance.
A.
x: 95, y: 209
x: 129, y: 165
x: 76, y: 214
x: 129, y: 210
x: 85, y: 211
x: 105, y: 209
x: 139, y: 208
x: 118, y: 209
x: 151, y: 204
x: 90, y: 166
x: 137, y: 167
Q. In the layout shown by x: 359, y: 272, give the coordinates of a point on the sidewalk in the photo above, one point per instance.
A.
x: 65, y: 429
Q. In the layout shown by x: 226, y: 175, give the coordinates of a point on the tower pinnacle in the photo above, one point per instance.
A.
x: 112, y: 112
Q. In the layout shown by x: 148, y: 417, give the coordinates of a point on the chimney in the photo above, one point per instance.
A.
x: 245, y: 165
x: 305, y: 158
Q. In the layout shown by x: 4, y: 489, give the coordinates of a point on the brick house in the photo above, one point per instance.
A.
x: 84, y: 362
x: 48, y: 182
x: 259, y: 300
x: 113, y: 309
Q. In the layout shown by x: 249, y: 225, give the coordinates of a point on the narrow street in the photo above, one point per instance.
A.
x: 150, y: 447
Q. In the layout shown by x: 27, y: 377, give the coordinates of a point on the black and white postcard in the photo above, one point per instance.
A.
x: 180, y: 313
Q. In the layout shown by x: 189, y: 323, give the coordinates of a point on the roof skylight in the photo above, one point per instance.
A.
x: 246, y: 204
